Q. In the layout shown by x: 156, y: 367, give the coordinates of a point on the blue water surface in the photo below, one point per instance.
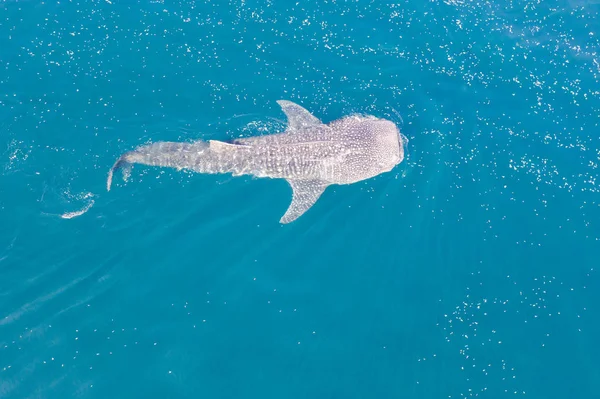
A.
x: 467, y: 271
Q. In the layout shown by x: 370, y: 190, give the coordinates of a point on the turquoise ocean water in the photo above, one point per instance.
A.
x: 467, y: 271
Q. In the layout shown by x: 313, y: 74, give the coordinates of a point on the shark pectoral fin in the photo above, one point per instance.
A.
x: 297, y: 116
x: 305, y: 194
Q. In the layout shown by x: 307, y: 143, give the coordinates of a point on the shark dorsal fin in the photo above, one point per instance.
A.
x: 297, y: 116
x: 220, y: 146
x: 304, y: 195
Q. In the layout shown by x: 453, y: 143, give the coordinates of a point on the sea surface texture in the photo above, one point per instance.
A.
x: 468, y: 271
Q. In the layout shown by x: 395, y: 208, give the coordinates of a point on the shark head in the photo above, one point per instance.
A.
x: 386, y: 143
x: 391, y: 143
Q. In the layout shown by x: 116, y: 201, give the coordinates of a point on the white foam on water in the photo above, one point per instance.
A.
x: 83, y: 196
x: 71, y: 215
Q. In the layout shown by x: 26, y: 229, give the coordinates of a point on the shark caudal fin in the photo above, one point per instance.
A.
x: 122, y: 163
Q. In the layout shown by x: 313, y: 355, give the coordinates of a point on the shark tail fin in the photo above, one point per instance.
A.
x: 122, y: 163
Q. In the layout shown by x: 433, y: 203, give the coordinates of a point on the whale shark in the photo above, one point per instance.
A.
x: 309, y: 154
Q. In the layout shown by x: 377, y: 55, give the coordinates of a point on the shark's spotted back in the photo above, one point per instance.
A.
x: 310, y: 155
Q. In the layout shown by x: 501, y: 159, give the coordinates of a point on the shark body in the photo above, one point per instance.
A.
x: 310, y: 155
